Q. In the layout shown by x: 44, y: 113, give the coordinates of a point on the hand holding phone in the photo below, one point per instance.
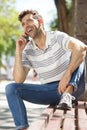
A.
x: 22, y: 41
x: 27, y: 37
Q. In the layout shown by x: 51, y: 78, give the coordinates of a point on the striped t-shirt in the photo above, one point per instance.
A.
x: 50, y: 63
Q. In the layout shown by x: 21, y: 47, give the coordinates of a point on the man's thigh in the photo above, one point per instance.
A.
x: 41, y: 93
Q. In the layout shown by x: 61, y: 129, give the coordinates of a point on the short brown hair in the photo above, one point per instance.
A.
x: 35, y: 14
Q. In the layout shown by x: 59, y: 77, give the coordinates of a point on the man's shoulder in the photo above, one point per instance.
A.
x: 56, y: 33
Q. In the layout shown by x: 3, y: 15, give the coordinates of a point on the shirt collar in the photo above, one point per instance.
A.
x: 47, y: 41
x: 34, y: 45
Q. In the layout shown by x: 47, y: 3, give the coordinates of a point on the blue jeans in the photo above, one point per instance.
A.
x: 39, y: 94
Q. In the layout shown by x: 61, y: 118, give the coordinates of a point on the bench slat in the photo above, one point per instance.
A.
x: 82, y: 119
x: 55, y: 119
x: 54, y: 123
x: 69, y: 122
x: 43, y: 120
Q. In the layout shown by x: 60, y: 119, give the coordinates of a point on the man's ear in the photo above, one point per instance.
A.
x: 40, y: 20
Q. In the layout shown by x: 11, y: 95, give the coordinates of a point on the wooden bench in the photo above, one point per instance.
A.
x: 55, y: 119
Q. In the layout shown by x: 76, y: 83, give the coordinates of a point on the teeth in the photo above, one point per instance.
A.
x: 29, y: 30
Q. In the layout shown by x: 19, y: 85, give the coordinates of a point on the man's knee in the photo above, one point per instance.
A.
x: 10, y: 88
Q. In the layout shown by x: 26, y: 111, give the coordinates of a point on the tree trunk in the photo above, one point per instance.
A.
x: 81, y: 29
x: 66, y: 18
x: 72, y: 19
x: 62, y: 15
x: 81, y: 23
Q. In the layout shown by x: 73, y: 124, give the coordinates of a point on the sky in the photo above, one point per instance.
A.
x: 46, y: 8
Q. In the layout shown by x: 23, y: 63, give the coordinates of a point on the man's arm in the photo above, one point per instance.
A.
x: 20, y: 72
x: 78, y: 50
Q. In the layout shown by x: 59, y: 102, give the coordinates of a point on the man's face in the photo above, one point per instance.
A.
x: 30, y: 25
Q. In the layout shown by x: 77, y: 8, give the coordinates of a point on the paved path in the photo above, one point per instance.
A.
x: 6, y: 120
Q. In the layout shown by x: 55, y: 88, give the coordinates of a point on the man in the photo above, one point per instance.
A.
x: 58, y: 60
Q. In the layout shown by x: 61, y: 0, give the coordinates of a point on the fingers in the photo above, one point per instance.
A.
x: 24, y: 36
x: 61, y: 89
x: 22, y: 39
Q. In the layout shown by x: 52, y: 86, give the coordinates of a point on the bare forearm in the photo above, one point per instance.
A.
x: 75, y: 62
x: 77, y: 57
x: 78, y: 50
x: 19, y: 71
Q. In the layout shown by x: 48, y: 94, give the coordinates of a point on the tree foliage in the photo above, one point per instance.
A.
x: 9, y: 28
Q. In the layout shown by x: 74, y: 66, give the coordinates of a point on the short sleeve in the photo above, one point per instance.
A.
x: 63, y: 40
x: 25, y: 61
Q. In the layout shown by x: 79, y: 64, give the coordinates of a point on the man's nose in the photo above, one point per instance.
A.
x: 26, y: 25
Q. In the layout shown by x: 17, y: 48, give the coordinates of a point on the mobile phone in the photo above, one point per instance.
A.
x: 27, y: 37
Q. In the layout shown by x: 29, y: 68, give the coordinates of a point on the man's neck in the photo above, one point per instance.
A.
x: 40, y: 41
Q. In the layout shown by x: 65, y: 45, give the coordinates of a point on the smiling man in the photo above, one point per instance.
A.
x: 57, y: 58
